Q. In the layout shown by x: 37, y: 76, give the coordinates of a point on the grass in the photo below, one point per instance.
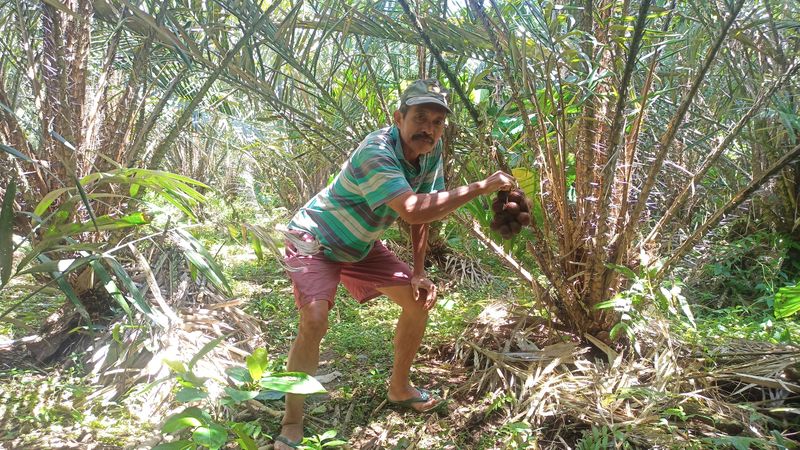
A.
x: 39, y: 404
x: 359, y: 346
x: 54, y: 407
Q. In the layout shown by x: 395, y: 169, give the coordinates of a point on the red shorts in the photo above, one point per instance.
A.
x: 318, y: 276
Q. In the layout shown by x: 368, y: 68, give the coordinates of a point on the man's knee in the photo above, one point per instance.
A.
x: 416, y: 308
x: 314, y: 320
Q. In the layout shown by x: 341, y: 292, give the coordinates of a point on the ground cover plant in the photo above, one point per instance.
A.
x: 649, y: 299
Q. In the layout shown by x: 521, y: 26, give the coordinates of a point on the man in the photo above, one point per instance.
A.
x: 394, y: 172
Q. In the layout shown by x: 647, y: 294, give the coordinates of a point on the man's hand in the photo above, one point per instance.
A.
x: 424, y: 290
x: 499, y: 181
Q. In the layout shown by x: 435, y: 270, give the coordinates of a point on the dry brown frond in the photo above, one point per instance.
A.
x: 665, y: 394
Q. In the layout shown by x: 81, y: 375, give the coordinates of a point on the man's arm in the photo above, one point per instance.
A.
x: 419, y: 244
x: 426, y: 208
x: 420, y: 284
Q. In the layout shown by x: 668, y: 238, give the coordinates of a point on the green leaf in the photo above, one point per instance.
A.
x: 175, y: 445
x: 628, y: 273
x: 175, y: 365
x: 134, y: 189
x: 244, y: 440
x: 330, y: 434
x: 63, y: 265
x: 787, y: 301
x: 186, y: 395
x: 192, y: 379
x: 48, y: 200
x: 257, y: 363
x: 268, y: 396
x: 6, y: 233
x: 293, y: 383
x: 213, y: 436
x: 85, y: 201
x: 200, y: 258
x: 111, y: 287
x: 14, y: 152
x: 256, y: 244
x: 606, y: 304
x: 100, y: 224
x: 138, y: 299
x: 58, y: 275
x: 239, y: 374
x: 240, y: 396
x: 188, y: 418
x: 204, y: 351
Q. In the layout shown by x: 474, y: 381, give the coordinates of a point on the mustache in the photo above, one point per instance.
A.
x: 422, y: 136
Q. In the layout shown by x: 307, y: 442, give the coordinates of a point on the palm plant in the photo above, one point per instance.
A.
x: 591, y: 98
x: 74, y: 117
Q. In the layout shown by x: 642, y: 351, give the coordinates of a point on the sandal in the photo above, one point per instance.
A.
x: 424, y: 397
x: 286, y: 441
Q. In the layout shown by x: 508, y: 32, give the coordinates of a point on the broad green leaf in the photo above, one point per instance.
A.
x: 213, y: 436
x: 204, y: 351
x: 330, y: 434
x: 257, y: 363
x: 134, y: 189
x: 6, y: 233
x: 188, y: 418
x: 186, y: 395
x: 292, y: 382
x: 175, y: 445
x: 239, y: 374
x: 268, y: 395
x: 243, y: 439
x: 240, y: 396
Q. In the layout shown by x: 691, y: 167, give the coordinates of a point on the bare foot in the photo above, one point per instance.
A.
x: 292, y: 432
x: 410, y: 392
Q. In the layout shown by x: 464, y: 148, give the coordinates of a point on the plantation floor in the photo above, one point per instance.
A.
x: 357, y: 356
x: 55, y: 407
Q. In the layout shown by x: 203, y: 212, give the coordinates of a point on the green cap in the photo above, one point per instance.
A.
x: 425, y: 91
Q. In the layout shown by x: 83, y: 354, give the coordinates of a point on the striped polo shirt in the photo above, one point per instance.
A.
x: 349, y: 215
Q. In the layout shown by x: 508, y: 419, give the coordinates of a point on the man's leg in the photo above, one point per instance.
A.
x: 303, y: 357
x: 407, y: 340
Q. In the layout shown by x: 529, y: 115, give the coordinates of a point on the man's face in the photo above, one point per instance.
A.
x: 420, y: 129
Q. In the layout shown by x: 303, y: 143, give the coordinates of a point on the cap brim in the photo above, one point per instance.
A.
x: 422, y: 100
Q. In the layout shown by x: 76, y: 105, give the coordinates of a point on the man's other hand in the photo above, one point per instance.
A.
x: 424, y: 290
x: 499, y: 181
